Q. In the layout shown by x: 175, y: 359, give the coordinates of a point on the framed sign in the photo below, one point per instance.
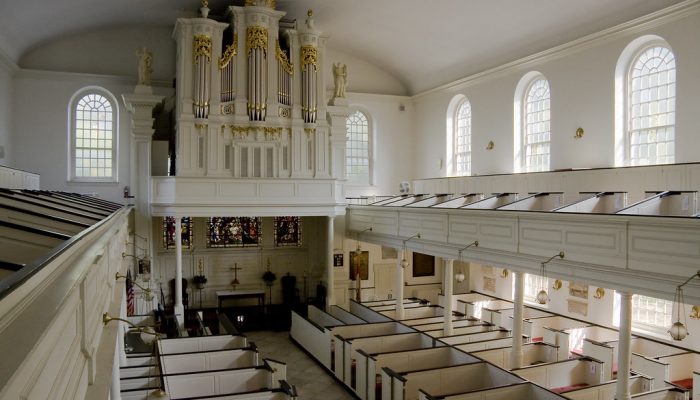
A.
x: 423, y: 265
x: 338, y: 260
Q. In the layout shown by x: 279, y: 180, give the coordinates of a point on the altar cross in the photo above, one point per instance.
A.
x: 235, y: 269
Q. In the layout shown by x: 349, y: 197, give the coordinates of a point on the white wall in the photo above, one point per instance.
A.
x: 392, y: 148
x: 40, y: 138
x: 7, y: 69
x: 107, y: 52
x: 581, y: 82
x: 363, y: 76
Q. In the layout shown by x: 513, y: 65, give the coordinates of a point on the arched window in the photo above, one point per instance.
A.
x: 357, y: 149
x: 93, y: 136
x: 651, y: 97
x: 536, y: 134
x: 462, y: 136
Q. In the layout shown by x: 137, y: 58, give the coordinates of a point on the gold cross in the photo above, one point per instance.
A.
x: 235, y: 269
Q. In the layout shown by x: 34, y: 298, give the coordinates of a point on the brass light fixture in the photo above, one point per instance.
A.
x: 599, y: 293
x: 678, y: 330
x: 147, y: 292
x: 459, y: 276
x: 404, y: 263
x: 579, y: 133
x: 542, y: 296
x: 557, y: 284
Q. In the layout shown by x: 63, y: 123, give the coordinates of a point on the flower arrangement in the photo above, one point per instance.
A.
x: 269, y: 277
x: 199, y: 279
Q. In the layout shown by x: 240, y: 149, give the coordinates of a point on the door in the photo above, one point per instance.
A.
x: 384, y: 280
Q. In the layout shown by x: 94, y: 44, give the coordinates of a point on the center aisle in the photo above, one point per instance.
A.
x: 311, y: 380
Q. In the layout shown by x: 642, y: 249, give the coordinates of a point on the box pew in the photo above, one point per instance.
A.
x: 474, y: 308
x: 479, y: 345
x: 603, y: 202
x: 431, y: 320
x: 681, y: 369
x: 345, y: 362
x: 440, y: 381
x: 201, y: 343
x: 602, y: 352
x: 667, y: 203
x: 474, y: 337
x: 372, y: 329
x: 345, y: 316
x: 375, y: 303
x: 652, y: 348
x: 523, y: 390
x: 406, y: 305
x: 663, y: 394
x: 595, y: 333
x: 322, y: 318
x: 369, y: 365
x: 416, y: 312
x: 506, y: 317
x: 456, y: 323
x: 533, y: 353
x: 562, y: 376
x: 607, y: 390
x: 465, y: 330
x: 315, y: 339
x: 209, y: 361
x: 367, y: 313
x: 463, y: 297
x: 536, y: 326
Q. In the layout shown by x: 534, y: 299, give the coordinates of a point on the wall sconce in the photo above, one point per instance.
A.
x: 542, y: 296
x: 490, y: 145
x: 557, y: 284
x: 459, y: 276
x: 147, y: 292
x: 599, y: 293
x: 678, y: 330
x: 695, y: 312
x: 358, y: 237
x: 579, y: 133
x: 504, y: 273
x: 404, y: 263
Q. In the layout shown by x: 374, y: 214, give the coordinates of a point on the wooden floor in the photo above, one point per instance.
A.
x: 312, y: 381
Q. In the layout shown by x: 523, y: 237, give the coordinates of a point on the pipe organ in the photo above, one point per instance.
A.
x: 251, y: 101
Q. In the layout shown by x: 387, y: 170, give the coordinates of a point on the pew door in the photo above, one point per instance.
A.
x: 384, y: 280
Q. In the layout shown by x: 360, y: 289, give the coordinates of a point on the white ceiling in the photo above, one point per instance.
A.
x: 424, y: 43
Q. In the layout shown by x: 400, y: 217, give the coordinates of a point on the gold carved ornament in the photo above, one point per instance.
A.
x: 231, y: 50
x: 202, y: 47
x: 264, y: 3
x: 309, y: 56
x: 256, y: 38
x: 284, y: 60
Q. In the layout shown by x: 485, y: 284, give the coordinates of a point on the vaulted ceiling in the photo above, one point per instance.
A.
x: 422, y: 43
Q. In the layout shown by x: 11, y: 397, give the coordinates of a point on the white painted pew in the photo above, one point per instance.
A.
x: 209, y: 361
x: 537, y: 326
x: 663, y: 394
x: 345, y: 349
x: 367, y: 313
x: 595, y: 333
x: 680, y: 369
x: 506, y: 317
x: 475, y: 337
x: 456, y: 323
x: 602, y: 352
x: 321, y: 318
x: 416, y: 312
x: 564, y: 375
x: 368, y: 366
x: 386, y: 302
x: 523, y: 390
x: 440, y: 381
x: 130, y: 384
x: 315, y: 339
x: 474, y: 308
x: 370, y: 329
x: 389, y: 307
x: 459, y: 301
x: 345, y: 315
x: 465, y: 330
x: 607, y: 390
x: 533, y: 353
x: 487, y: 344
x: 201, y: 343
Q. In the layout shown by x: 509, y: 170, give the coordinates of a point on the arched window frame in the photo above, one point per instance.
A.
x: 72, y: 131
x: 520, y: 121
x: 623, y: 102
x: 368, y: 179
x: 462, y: 138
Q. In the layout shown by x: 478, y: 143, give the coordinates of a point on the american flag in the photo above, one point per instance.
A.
x: 129, y: 294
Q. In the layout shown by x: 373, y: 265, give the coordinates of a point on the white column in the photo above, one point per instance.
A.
x: 330, y: 292
x: 178, y: 308
x: 447, y: 291
x: 399, y: 285
x: 517, y: 352
x: 624, y: 350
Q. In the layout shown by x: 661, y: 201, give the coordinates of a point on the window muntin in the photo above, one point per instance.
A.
x: 357, y: 168
x: 93, y: 138
x: 463, y: 139
x: 651, y: 107
x: 649, y: 312
x: 536, y: 138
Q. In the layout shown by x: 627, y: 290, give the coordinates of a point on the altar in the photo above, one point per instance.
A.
x: 223, y: 295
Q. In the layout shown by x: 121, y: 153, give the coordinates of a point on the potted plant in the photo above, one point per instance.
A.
x: 199, y: 281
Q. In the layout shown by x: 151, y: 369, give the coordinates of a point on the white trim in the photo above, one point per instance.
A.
x: 82, y: 77
x: 667, y: 15
x: 79, y: 94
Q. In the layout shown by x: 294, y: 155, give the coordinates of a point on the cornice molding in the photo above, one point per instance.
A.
x: 661, y: 17
x: 82, y: 77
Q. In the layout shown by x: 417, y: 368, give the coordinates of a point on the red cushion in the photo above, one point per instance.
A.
x: 569, y: 388
x: 684, y: 383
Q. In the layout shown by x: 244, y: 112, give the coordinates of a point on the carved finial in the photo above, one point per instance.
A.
x: 310, y: 13
x: 205, y: 3
x: 204, y: 10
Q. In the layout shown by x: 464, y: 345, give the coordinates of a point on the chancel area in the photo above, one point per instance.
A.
x: 423, y: 200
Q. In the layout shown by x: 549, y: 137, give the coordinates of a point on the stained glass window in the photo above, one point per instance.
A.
x: 169, y: 232
x: 233, y: 231
x: 287, y: 231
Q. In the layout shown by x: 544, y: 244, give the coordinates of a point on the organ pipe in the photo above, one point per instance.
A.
x: 202, y: 76
x: 285, y: 71
x: 256, y: 43
x: 226, y: 68
x: 309, y: 72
